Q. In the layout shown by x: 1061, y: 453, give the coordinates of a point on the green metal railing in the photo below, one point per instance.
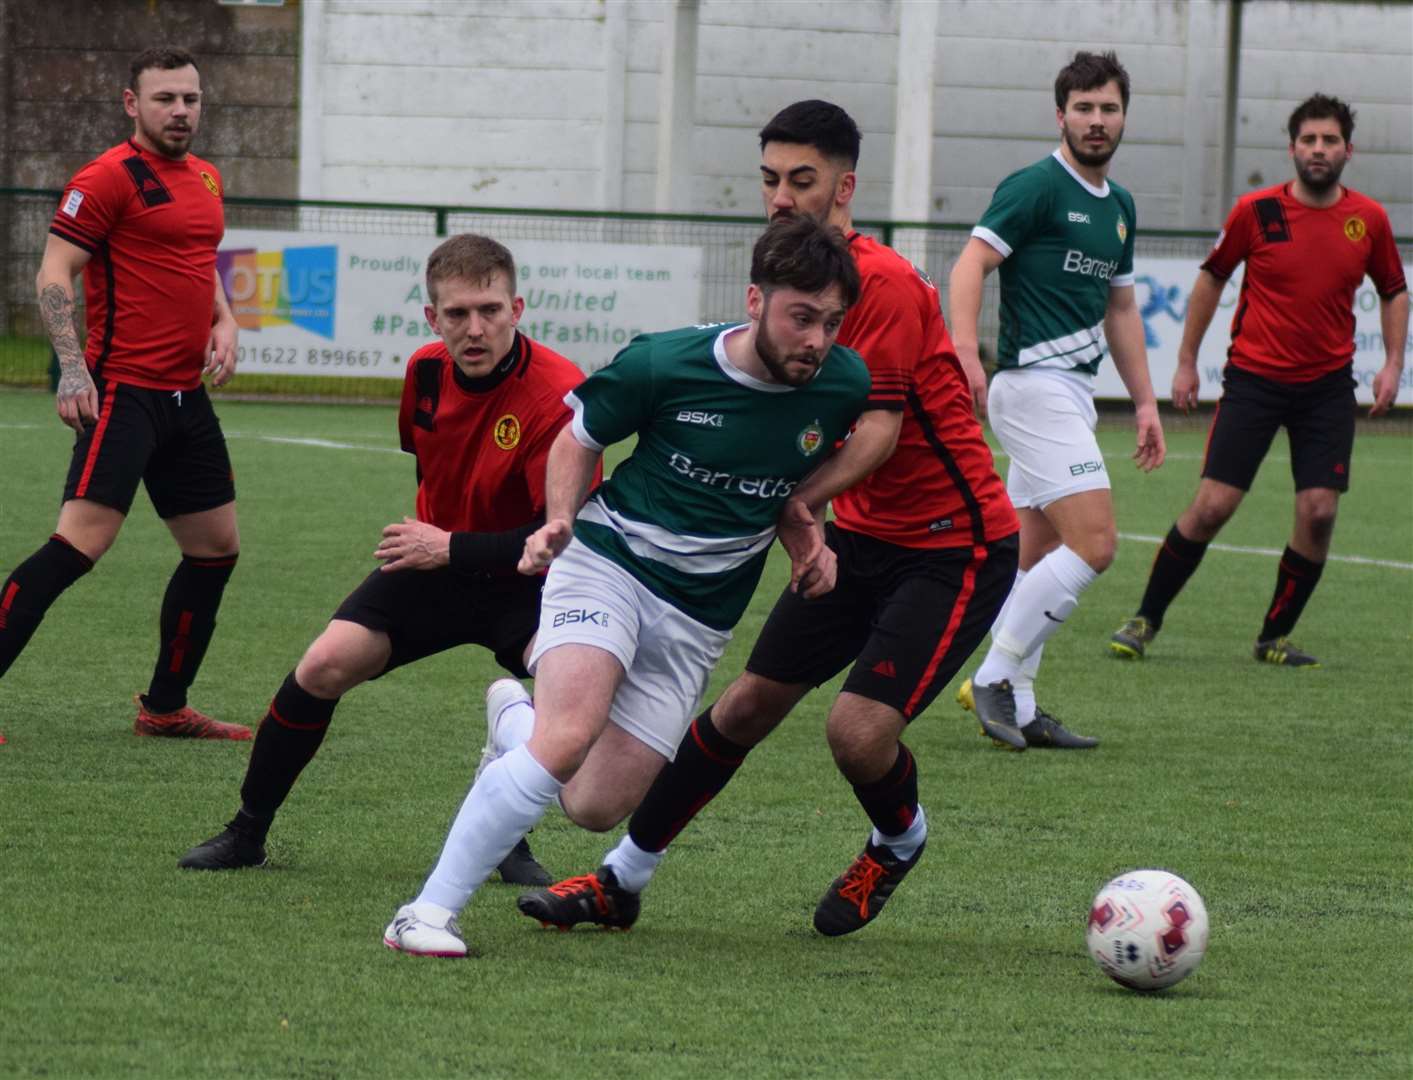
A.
x: 725, y: 242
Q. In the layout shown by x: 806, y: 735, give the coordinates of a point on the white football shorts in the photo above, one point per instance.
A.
x: 1045, y: 421
x: 667, y: 656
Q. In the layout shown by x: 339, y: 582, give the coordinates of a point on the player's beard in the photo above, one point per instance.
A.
x: 771, y: 356
x: 1319, y: 183
x: 1091, y: 158
x: 159, y: 138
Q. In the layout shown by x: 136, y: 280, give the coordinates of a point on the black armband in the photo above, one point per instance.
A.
x: 473, y: 552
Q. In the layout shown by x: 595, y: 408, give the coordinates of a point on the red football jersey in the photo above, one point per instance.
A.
x: 1294, y: 318
x: 152, y: 226
x: 939, y: 489
x: 482, y: 444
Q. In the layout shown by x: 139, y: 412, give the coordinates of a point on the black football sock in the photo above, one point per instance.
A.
x: 891, y: 801
x: 704, y: 765
x: 286, y: 741
x: 187, y: 623
x: 1177, y: 559
x: 1295, y: 581
x: 31, y: 588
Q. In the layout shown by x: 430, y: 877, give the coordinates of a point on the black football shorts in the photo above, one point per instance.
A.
x: 168, y: 440
x: 1318, y: 417
x: 906, y: 618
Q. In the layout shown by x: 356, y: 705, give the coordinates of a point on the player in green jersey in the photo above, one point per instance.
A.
x: 648, y: 576
x: 1062, y: 235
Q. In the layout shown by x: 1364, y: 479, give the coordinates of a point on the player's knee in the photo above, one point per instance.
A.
x: 861, y: 754
x: 1098, y: 549
x: 1317, y: 519
x: 593, y: 814
x: 751, y: 708
x: 327, y: 671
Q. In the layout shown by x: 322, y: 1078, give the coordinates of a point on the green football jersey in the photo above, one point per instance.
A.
x: 1066, y: 244
x: 691, y: 512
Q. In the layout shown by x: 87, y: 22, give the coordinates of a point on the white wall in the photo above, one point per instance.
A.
x: 555, y: 102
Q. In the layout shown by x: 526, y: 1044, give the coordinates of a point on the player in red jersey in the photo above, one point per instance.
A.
x: 142, y: 223
x: 925, y: 539
x: 1307, y: 246
x: 479, y: 412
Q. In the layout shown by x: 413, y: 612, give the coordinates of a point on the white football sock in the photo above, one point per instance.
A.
x: 516, y: 723
x: 631, y: 865
x: 1024, y: 689
x: 501, y: 807
x: 1003, y: 667
x: 1041, y: 605
x: 906, y: 843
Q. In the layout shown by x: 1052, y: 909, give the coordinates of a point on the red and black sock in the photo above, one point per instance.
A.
x: 891, y: 801
x: 188, y: 620
x: 29, y: 590
x: 1177, y: 559
x: 285, y: 742
x: 1295, y: 581
x: 704, y: 765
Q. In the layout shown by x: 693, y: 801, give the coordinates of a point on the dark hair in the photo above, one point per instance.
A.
x: 1322, y: 107
x: 471, y: 258
x: 165, y: 58
x: 1090, y: 71
x: 828, y: 128
x: 801, y: 253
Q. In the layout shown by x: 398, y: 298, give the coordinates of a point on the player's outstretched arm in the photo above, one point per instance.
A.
x: 221, y: 348
x: 964, y: 287
x: 1201, y: 306
x: 569, y: 474
x: 1123, y: 326
x: 77, y: 399
x: 1393, y: 320
x: 813, y: 564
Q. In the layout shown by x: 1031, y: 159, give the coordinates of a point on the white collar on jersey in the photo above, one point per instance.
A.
x: 736, y: 374
x: 1097, y: 192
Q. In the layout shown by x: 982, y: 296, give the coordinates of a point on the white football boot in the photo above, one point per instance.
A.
x: 424, y: 929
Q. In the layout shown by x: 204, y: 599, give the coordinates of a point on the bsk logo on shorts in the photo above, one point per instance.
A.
x: 1082, y: 468
x: 580, y: 615
x: 72, y: 203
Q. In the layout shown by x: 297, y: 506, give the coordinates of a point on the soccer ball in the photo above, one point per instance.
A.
x: 1147, y: 929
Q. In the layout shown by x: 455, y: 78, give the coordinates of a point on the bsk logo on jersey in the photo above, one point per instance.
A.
x: 580, y: 615
x: 1083, y: 219
x: 297, y: 286
x: 810, y: 439
x: 705, y: 419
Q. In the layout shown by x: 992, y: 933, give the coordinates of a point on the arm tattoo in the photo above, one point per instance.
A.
x: 56, y: 309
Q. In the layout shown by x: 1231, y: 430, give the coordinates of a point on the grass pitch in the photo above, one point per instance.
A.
x: 1283, y: 796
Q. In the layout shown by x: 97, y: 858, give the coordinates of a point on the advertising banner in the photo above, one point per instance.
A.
x: 326, y: 304
x: 1162, y: 287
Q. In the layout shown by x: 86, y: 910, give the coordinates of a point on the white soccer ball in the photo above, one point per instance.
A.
x: 1147, y: 929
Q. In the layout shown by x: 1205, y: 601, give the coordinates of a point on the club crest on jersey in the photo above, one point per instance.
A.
x: 1123, y: 230
x: 1355, y: 229
x: 507, y: 432
x: 210, y: 182
x: 810, y: 439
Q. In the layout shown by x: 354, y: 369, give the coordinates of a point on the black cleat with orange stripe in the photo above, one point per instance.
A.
x: 592, y: 898
x: 858, y: 895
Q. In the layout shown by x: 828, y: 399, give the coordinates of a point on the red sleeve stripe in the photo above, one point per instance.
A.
x: 89, y: 462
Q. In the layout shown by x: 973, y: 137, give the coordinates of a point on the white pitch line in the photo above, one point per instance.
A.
x: 323, y: 444
x: 1360, y: 560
